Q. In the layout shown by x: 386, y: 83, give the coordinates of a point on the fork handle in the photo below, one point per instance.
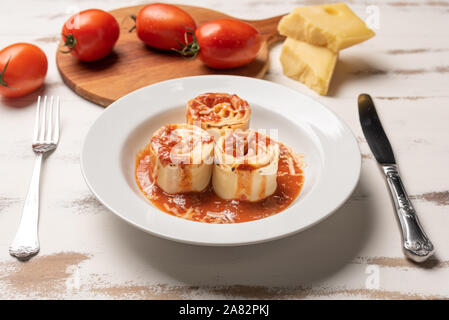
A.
x: 416, y: 244
x: 26, y: 241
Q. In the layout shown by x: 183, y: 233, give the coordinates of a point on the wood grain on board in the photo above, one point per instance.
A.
x: 133, y: 65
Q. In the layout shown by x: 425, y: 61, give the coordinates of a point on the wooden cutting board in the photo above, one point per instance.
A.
x: 133, y: 65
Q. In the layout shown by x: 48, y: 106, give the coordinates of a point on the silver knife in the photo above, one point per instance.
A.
x: 416, y: 244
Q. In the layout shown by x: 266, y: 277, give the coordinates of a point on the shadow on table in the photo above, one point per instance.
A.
x: 296, y: 260
x: 354, y: 69
x: 25, y: 101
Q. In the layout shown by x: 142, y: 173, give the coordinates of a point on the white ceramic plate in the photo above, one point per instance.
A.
x: 330, y: 152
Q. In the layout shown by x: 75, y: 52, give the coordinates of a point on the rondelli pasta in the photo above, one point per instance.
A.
x: 246, y: 166
x: 182, y: 157
x: 218, y: 112
x: 253, y: 176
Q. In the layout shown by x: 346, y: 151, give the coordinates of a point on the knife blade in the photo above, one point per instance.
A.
x: 416, y: 245
x: 373, y: 131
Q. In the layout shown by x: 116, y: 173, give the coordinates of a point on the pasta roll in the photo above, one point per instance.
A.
x: 218, y: 112
x: 246, y: 165
x: 182, y: 157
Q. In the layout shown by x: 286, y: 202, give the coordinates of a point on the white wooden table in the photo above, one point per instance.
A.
x: 87, y: 252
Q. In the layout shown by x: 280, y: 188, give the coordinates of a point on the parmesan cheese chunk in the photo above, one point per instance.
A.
x: 309, y: 64
x: 334, y: 26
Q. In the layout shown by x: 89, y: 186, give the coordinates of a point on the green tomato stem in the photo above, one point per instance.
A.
x: 2, y: 81
x: 189, y: 50
x: 70, y: 42
x: 132, y: 16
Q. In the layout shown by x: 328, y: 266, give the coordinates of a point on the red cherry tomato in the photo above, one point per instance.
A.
x: 90, y: 34
x: 23, y: 67
x: 227, y: 43
x: 163, y: 26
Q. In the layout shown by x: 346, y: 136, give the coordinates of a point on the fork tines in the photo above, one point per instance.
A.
x: 46, y: 125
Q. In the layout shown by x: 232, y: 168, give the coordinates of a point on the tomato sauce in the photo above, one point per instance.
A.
x: 207, y: 207
x: 216, y: 102
x: 166, y: 139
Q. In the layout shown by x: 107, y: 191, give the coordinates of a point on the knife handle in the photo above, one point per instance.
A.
x: 416, y: 244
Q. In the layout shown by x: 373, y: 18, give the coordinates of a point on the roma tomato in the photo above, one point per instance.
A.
x: 163, y: 26
x: 23, y: 68
x: 90, y: 34
x: 227, y: 43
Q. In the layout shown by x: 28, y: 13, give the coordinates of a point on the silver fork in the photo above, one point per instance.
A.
x: 45, y: 139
